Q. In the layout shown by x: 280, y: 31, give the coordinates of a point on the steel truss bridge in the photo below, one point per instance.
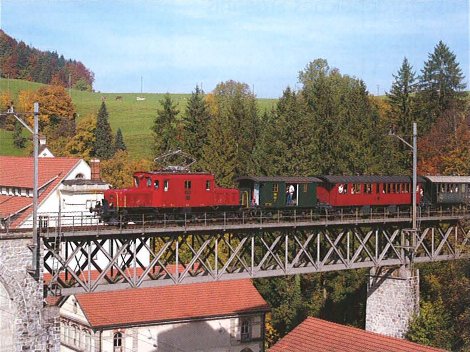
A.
x: 209, y: 248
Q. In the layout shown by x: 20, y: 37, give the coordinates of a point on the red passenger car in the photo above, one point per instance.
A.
x: 158, y: 192
x: 365, y: 191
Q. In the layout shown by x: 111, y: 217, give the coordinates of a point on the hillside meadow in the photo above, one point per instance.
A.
x: 134, y: 117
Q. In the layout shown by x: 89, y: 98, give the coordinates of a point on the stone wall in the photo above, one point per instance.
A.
x: 34, y: 327
x: 392, y: 300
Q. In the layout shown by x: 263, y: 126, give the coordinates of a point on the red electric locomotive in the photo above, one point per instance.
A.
x: 165, y: 192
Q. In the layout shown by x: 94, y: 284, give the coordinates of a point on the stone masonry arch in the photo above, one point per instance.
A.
x: 31, y: 326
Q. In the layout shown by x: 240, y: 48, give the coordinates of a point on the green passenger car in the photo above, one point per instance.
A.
x: 450, y: 190
x: 278, y: 192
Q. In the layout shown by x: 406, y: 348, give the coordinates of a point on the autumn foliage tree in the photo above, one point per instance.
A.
x: 118, y: 171
x: 56, y: 115
x: 20, y: 61
x: 83, y: 142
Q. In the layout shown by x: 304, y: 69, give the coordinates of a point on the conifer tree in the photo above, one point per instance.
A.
x: 441, y: 85
x: 291, y: 143
x: 236, y: 113
x: 104, y: 146
x: 195, y: 124
x: 18, y: 140
x: 220, y: 153
x: 345, y: 135
x: 119, y: 141
x: 164, y: 126
x: 401, y: 102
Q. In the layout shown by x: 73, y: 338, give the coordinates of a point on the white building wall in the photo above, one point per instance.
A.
x: 219, y: 335
x: 216, y: 335
x: 71, y: 202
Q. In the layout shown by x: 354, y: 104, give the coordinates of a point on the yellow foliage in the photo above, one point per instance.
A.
x: 26, y: 99
x: 54, y: 101
x: 82, y: 143
x: 5, y: 100
x: 118, y: 170
x: 212, y: 104
x: 271, y: 334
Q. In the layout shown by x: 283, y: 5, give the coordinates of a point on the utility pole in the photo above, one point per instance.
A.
x: 414, y: 230
x: 36, y: 245
x: 415, y: 175
x: 36, y: 239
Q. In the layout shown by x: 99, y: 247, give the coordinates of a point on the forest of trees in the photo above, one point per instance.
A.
x: 331, y: 125
x: 20, y: 61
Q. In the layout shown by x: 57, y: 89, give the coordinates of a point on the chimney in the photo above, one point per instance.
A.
x: 95, y: 169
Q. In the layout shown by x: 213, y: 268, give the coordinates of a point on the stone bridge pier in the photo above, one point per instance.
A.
x: 392, y: 300
x: 26, y: 323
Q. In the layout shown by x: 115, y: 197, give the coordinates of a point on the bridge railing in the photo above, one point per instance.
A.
x: 54, y: 223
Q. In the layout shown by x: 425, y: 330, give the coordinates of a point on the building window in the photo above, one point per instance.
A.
x: 117, y: 342
x: 245, y: 333
x: 80, y: 176
x: 275, y: 187
x: 86, y: 344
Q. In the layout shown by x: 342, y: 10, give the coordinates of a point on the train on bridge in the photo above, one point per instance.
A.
x: 168, y: 193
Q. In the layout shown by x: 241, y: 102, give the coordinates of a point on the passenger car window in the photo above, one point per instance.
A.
x: 166, y: 185
x: 208, y: 185
x: 149, y: 182
x: 156, y: 184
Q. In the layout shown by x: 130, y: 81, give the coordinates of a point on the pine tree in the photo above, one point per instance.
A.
x: 401, y: 102
x: 195, y: 124
x: 220, y: 153
x: 344, y: 132
x: 235, y: 110
x: 441, y: 85
x: 104, y: 146
x: 119, y: 141
x: 291, y: 148
x: 164, y: 126
x: 18, y: 140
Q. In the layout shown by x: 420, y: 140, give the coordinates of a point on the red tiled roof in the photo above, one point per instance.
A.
x: 11, y: 204
x: 316, y: 335
x: 170, y: 303
x: 18, y: 172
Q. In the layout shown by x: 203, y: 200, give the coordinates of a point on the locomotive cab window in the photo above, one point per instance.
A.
x: 156, y: 184
x: 136, y: 181
x: 166, y: 185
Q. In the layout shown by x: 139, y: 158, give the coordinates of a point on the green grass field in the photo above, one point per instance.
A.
x: 135, y: 118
